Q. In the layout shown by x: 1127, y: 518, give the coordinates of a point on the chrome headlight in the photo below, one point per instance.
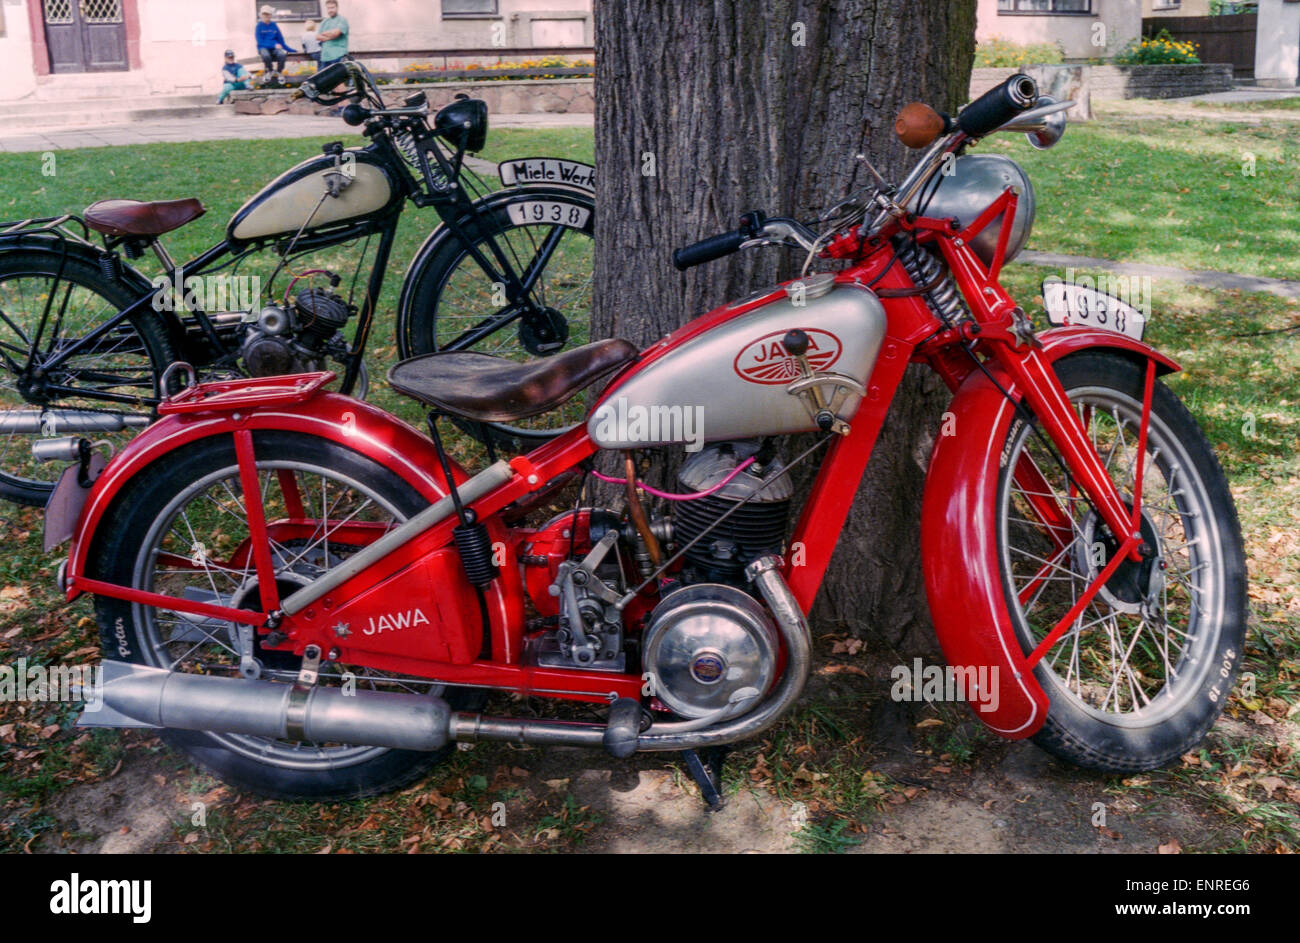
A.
x: 969, y: 186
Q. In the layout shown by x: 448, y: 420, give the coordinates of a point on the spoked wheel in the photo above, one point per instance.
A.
x: 1142, y: 673
x: 453, y: 298
x: 124, y: 364
x: 181, y: 530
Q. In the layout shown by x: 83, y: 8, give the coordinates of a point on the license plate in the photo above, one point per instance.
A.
x: 550, y: 212
x: 541, y: 170
x: 1076, y: 306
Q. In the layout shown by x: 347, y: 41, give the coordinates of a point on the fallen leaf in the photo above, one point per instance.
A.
x: 930, y: 722
x: 1171, y: 847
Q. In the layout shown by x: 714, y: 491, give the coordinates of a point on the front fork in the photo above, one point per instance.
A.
x: 1004, y: 329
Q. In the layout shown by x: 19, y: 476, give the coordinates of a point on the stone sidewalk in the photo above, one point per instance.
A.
x: 1203, y: 278
x: 235, y: 128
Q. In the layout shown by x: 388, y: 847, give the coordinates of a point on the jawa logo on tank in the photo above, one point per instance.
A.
x: 766, y: 361
x: 392, y: 621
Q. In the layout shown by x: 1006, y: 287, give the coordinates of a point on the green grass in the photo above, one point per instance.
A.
x: 1168, y: 193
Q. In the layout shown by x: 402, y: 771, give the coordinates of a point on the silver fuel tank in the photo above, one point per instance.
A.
x: 730, y: 382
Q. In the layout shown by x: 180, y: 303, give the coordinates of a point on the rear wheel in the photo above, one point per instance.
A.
x: 180, y: 529
x: 125, y: 362
x: 1142, y: 673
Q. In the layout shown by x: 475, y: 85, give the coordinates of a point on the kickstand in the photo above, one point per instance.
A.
x: 707, y: 773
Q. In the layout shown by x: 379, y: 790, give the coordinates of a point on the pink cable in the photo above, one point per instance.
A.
x: 668, y: 496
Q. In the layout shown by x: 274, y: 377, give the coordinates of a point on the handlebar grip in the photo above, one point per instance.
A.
x: 706, y: 250
x: 326, y: 79
x: 998, y: 105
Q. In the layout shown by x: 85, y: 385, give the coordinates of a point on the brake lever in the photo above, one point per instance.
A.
x: 780, y: 231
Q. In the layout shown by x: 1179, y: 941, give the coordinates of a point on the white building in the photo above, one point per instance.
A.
x: 57, y: 48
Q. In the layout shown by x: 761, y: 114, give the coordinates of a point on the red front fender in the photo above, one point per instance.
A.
x: 350, y: 422
x: 959, y: 538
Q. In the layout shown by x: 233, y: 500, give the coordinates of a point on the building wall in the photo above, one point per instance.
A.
x: 1277, y: 46
x: 1183, y: 8
x: 1104, y: 32
x: 182, y: 41
x: 17, y: 77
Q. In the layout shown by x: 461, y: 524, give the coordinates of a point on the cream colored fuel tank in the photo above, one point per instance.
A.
x: 294, y: 197
x: 730, y: 383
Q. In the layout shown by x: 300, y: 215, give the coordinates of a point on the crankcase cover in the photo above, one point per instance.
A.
x: 707, y: 644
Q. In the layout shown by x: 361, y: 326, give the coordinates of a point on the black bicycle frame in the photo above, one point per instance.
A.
x: 451, y: 204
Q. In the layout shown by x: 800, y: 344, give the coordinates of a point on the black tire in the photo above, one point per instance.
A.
x: 433, y: 311
x: 142, y: 349
x: 123, y: 543
x: 1165, y: 720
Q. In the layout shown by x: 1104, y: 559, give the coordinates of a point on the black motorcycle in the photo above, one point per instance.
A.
x: 86, y: 339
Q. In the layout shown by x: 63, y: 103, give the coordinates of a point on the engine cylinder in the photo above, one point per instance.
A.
x: 754, y: 529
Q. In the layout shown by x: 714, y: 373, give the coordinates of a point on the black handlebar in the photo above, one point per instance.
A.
x: 706, y: 250
x: 998, y: 105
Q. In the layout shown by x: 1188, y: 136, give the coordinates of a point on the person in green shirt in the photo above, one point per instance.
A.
x: 333, y: 34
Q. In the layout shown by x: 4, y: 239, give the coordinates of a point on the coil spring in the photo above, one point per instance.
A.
x: 922, y: 266
x: 406, y: 144
x: 475, y: 547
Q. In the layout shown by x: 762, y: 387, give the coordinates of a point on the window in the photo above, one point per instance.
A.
x: 469, y: 8
x: 1044, y: 6
x: 290, y: 11
x: 1166, y: 4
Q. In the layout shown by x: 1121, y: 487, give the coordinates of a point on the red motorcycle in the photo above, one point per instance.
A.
x: 312, y: 599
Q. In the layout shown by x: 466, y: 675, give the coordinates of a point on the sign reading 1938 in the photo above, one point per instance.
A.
x: 550, y: 170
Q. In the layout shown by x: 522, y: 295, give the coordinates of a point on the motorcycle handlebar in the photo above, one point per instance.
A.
x: 706, y: 250
x: 998, y: 105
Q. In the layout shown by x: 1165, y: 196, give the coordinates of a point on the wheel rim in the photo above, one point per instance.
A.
x: 564, y: 286
x: 120, y: 362
x: 204, y: 523
x: 1141, y: 649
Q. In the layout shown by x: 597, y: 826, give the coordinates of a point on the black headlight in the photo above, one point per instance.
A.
x: 463, y: 123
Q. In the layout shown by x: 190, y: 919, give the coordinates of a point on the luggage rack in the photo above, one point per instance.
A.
x: 226, y: 395
x: 53, y: 225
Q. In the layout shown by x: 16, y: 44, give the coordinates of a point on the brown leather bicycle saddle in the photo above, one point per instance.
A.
x: 493, y: 389
x: 134, y: 218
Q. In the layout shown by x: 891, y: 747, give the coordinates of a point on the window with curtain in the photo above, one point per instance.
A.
x: 1044, y: 6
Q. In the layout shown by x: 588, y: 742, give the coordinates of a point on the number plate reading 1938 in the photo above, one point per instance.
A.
x: 548, y: 212
x: 1078, y: 306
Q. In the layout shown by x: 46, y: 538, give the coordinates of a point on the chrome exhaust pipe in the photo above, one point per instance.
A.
x: 141, y: 696
x: 69, y: 421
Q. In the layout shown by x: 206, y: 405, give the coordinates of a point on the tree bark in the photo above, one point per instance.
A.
x: 708, y: 108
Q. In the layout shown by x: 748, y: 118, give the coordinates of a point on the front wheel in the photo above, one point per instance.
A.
x: 1145, y: 669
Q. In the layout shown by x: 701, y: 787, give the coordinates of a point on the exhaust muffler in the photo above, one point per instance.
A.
x: 70, y: 421
x: 141, y: 696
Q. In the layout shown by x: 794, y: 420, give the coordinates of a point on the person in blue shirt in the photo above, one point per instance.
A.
x: 234, y: 75
x: 270, y: 43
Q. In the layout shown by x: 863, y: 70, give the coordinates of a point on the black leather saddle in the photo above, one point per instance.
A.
x: 493, y: 389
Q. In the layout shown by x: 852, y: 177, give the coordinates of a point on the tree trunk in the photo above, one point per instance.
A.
x: 708, y: 108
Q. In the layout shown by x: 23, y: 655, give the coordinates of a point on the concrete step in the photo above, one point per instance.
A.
x: 90, y: 85
x: 96, y: 114
x: 97, y: 106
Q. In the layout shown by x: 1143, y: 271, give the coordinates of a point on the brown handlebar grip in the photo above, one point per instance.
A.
x: 917, y: 125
